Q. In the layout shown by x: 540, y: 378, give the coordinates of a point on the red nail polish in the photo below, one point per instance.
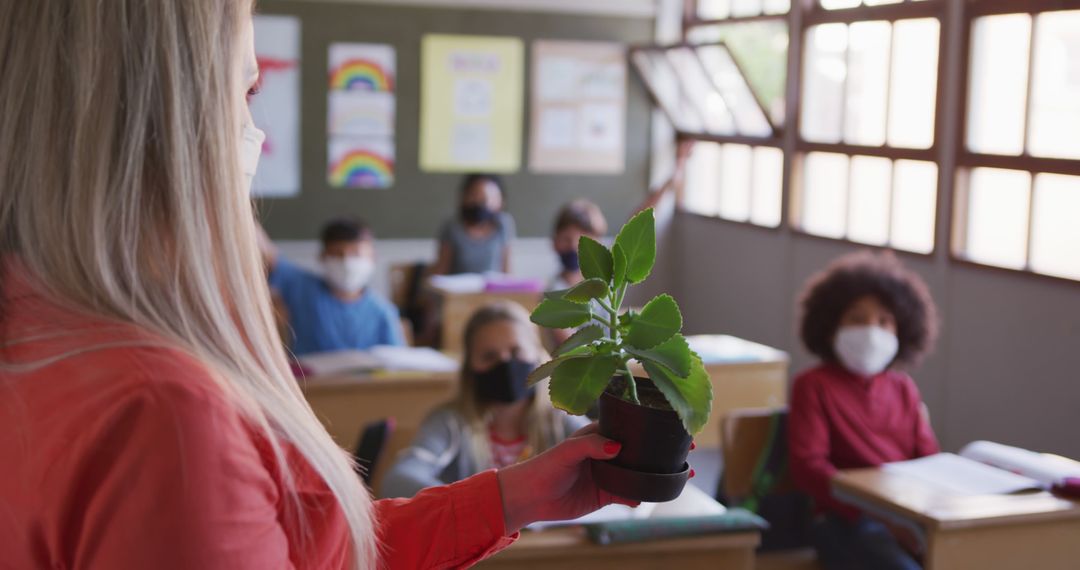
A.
x: 693, y: 446
x: 692, y: 473
x: 612, y: 447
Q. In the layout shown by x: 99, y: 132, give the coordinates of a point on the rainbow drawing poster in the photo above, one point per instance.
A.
x: 362, y: 67
x: 361, y: 162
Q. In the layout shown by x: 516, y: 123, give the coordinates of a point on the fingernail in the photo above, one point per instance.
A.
x: 693, y: 446
x: 692, y: 473
x: 612, y: 447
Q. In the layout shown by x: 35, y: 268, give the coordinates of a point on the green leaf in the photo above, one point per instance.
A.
x: 560, y: 314
x: 557, y: 294
x: 545, y: 370
x: 595, y: 259
x: 577, y: 383
x: 618, y: 275
x: 638, y: 242
x: 587, y: 290
x: 658, y: 321
x: 582, y: 337
x: 674, y: 354
x: 690, y: 397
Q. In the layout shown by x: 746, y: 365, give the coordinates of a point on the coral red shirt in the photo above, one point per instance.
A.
x: 125, y: 456
x: 838, y: 420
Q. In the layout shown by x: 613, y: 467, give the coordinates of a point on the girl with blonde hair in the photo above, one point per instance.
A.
x: 495, y: 420
x: 148, y: 418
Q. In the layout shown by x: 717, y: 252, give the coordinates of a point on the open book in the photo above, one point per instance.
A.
x: 986, y: 468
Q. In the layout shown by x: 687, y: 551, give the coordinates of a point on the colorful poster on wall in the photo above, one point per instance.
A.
x: 365, y: 162
x: 578, y: 115
x: 361, y: 108
x: 276, y: 109
x: 472, y: 91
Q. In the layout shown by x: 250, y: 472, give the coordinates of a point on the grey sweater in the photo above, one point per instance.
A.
x: 440, y: 455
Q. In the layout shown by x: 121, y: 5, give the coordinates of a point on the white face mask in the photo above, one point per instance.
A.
x: 865, y: 350
x: 250, y: 150
x: 348, y: 275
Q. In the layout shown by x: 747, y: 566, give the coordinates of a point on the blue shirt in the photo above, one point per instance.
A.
x: 321, y: 322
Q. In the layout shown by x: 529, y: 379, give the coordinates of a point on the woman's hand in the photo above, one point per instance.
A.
x: 557, y: 484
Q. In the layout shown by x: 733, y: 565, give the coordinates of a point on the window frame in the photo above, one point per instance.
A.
x: 968, y: 160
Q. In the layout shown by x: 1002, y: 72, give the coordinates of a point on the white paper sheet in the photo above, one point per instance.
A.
x: 413, y: 358
x: 693, y: 502
x: 558, y: 128
x: 961, y: 476
x: 1049, y: 470
x: 339, y: 362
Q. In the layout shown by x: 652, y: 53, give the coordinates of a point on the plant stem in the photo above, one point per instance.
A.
x: 630, y: 383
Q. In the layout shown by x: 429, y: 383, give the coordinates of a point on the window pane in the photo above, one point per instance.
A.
x: 745, y: 8
x: 777, y: 6
x: 998, y: 94
x: 997, y: 217
x: 913, y: 83
x: 914, y: 205
x: 662, y: 81
x: 1055, y: 239
x: 700, y: 89
x: 714, y: 9
x: 868, y: 212
x: 823, y: 84
x: 760, y: 48
x: 768, y: 182
x: 735, y: 182
x: 880, y: 2
x: 835, y: 4
x: 824, y: 194
x: 867, y: 83
x: 701, y: 193
x: 749, y: 118
x: 1055, y: 91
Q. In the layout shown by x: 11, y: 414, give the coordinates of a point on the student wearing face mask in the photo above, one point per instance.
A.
x: 865, y: 317
x: 335, y: 310
x: 576, y: 219
x: 478, y: 239
x: 495, y: 420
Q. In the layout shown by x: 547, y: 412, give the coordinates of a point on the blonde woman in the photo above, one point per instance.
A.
x: 495, y: 420
x: 148, y: 418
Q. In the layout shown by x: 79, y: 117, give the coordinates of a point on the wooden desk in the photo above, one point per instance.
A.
x: 744, y: 374
x: 346, y: 403
x: 1032, y: 530
x: 570, y: 548
x: 457, y: 308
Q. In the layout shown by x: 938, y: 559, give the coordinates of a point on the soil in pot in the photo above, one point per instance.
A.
x: 652, y: 463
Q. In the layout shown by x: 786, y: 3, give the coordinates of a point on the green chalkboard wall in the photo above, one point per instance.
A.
x: 419, y: 202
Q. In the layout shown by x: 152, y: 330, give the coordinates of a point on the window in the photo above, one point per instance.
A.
x: 870, y: 200
x: 735, y: 182
x: 867, y: 123
x: 725, y: 9
x: 1017, y: 202
x: 760, y: 47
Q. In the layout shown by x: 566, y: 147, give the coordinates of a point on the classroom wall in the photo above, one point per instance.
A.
x: 419, y: 202
x: 1007, y: 366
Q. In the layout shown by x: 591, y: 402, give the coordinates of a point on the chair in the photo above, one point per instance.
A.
x: 372, y: 444
x: 756, y: 478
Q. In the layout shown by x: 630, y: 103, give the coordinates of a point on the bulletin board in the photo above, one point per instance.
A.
x: 417, y: 202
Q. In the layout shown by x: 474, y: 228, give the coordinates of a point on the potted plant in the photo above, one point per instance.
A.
x: 653, y: 417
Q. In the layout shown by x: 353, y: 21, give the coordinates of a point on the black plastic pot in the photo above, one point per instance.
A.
x: 651, y: 466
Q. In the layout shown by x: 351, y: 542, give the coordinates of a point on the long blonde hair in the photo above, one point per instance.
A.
x: 120, y: 190
x: 544, y: 427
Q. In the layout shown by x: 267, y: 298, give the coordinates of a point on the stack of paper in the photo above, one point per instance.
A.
x: 339, y: 362
x: 1048, y: 470
x: 410, y: 358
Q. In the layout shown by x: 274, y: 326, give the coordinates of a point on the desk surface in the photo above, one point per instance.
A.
x: 935, y: 509
x: 571, y: 548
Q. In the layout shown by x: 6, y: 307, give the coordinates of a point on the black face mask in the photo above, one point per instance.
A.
x: 506, y: 383
x: 476, y: 214
x: 569, y: 260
